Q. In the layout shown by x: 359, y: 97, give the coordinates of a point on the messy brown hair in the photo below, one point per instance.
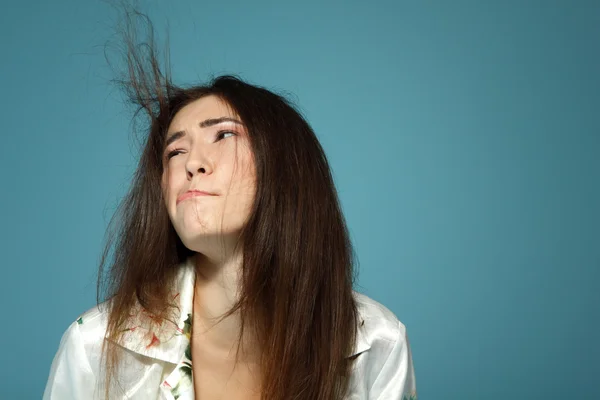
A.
x: 298, y: 261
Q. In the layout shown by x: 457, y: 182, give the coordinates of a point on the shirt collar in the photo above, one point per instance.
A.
x: 167, y: 339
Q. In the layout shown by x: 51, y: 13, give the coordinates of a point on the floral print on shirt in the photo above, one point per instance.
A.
x: 152, y: 329
x: 184, y: 368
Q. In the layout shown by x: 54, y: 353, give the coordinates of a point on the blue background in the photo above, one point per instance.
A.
x: 464, y: 138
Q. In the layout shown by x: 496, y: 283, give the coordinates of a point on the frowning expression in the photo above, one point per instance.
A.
x: 208, y: 179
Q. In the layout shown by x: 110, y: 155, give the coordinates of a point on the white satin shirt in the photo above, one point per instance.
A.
x: 156, y: 364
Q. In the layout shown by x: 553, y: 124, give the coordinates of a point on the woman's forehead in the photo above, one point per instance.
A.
x: 207, y: 107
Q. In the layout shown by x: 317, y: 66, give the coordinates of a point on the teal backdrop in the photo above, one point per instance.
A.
x: 464, y: 138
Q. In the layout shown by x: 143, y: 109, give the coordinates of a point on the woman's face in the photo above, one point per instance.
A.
x: 207, y: 149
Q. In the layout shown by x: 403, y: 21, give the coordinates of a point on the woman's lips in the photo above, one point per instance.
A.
x: 193, y: 193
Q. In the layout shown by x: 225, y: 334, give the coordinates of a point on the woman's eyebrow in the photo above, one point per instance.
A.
x: 204, y: 124
x: 215, y: 121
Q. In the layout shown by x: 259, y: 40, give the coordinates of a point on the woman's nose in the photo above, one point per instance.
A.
x: 198, y: 163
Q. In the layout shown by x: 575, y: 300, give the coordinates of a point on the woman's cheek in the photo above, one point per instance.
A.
x: 166, y: 188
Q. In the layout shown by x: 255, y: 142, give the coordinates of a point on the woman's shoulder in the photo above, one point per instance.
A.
x: 98, y: 314
x: 89, y: 327
x: 76, y: 362
x: 376, y: 315
x: 95, y: 314
x: 379, y: 329
x: 386, y: 371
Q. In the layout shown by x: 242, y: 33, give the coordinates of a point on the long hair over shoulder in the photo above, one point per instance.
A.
x: 298, y: 261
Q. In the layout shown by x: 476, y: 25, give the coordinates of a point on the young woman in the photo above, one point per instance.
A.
x: 233, y: 269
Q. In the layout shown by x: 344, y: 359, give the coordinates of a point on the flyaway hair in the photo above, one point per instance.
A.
x: 298, y: 260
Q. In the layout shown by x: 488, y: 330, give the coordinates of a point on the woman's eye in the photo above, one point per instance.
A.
x: 173, y: 153
x: 221, y: 133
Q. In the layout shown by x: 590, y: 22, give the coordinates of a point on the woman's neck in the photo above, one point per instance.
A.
x: 216, y: 291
